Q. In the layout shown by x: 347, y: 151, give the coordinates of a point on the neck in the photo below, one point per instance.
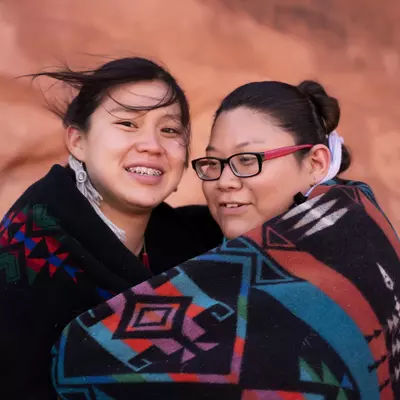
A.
x: 134, y: 226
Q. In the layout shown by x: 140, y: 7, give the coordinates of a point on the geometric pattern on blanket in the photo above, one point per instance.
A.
x: 33, y: 238
x: 34, y: 243
x: 262, y: 316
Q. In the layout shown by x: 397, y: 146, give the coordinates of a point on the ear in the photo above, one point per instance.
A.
x: 319, y: 160
x: 75, y: 142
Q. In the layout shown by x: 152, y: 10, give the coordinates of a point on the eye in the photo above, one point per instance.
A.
x: 208, y: 163
x: 171, y: 131
x: 213, y: 164
x: 127, y: 124
x: 247, y: 159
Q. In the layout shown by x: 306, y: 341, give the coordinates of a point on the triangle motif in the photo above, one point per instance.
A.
x: 351, y: 192
x: 187, y: 355
x: 346, y: 384
x: 341, y: 395
x: 52, y: 270
x: 36, y: 264
x: 274, y: 239
x: 40, y: 251
x: 206, y: 346
x: 328, y: 376
x: 52, y: 244
x: 307, y: 373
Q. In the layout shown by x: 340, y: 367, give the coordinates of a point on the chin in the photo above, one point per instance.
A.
x: 235, y: 230
x: 142, y: 203
x: 231, y: 234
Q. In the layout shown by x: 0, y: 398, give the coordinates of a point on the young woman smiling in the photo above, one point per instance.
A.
x: 88, y: 231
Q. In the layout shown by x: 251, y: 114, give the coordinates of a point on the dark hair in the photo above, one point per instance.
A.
x: 94, y: 85
x: 305, y: 111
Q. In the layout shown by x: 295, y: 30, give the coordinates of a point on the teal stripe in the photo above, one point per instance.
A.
x: 331, y: 322
x: 104, y: 337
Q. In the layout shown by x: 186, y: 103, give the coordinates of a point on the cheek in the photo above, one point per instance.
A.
x: 107, y: 143
x: 175, y: 151
x: 273, y: 191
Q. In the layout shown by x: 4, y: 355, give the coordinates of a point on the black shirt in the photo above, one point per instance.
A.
x: 58, y: 259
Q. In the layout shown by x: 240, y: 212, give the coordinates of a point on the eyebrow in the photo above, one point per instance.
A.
x: 240, y: 145
x: 176, y: 116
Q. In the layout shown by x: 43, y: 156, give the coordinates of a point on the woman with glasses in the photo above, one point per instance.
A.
x: 302, y: 301
x: 274, y: 138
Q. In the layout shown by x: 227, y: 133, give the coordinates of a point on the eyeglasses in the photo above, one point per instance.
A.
x: 243, y: 165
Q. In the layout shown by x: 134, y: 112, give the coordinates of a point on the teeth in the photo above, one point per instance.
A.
x: 231, y: 205
x: 145, y: 171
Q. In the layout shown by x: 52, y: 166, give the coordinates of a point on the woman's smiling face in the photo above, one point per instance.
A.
x: 240, y: 204
x: 135, y: 159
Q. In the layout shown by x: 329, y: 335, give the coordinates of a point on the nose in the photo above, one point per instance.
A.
x: 149, y: 142
x: 228, y: 180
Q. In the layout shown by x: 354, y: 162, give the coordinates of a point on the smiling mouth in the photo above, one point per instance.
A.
x: 232, y: 205
x: 144, y: 171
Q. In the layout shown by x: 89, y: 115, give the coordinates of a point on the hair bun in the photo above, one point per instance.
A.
x: 326, y: 107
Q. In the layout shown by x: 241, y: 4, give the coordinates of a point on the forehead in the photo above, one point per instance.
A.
x: 243, y: 127
x: 140, y: 94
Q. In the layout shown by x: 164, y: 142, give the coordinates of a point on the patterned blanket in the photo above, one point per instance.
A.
x: 307, y: 306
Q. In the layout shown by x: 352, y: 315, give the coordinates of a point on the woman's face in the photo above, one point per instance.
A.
x: 240, y: 204
x: 134, y: 159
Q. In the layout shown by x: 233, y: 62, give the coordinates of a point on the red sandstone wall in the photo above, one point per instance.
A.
x: 212, y: 46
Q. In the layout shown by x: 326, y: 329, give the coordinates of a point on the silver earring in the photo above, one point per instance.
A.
x: 81, y: 174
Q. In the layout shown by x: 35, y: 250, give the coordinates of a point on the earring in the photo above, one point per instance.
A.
x: 77, y: 166
x: 81, y: 174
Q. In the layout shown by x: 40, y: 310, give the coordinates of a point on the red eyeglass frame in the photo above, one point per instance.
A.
x: 261, y: 157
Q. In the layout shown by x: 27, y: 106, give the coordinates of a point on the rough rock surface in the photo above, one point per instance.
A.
x: 212, y: 46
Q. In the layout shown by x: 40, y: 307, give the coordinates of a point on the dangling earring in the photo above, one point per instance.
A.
x: 81, y: 174
x: 92, y: 195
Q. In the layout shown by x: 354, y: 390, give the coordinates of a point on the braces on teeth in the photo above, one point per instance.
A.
x: 145, y: 171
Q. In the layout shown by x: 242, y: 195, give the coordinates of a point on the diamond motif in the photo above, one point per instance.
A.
x: 149, y: 315
x: 153, y: 316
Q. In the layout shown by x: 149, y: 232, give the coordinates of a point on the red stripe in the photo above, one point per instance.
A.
x: 341, y: 291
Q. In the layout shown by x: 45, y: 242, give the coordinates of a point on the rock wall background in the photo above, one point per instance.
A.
x: 212, y: 46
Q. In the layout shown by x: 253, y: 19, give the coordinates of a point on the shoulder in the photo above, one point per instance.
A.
x: 39, y: 190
